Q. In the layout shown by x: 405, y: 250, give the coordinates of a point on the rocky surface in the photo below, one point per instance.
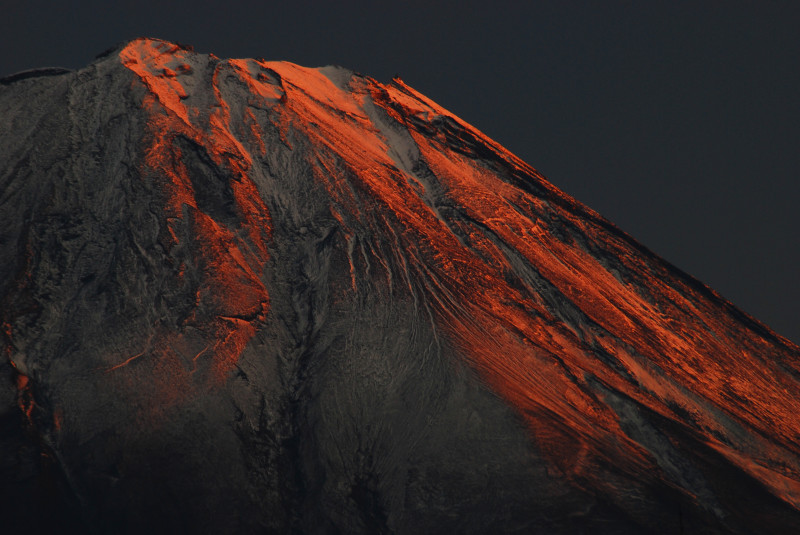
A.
x: 242, y: 296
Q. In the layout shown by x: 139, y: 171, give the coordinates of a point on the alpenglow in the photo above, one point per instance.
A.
x: 242, y: 296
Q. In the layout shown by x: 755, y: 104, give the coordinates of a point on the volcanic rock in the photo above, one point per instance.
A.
x: 244, y: 296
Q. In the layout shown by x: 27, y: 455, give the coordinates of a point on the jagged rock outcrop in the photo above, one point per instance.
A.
x: 242, y: 296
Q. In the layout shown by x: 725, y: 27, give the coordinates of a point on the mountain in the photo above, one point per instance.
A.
x: 244, y: 296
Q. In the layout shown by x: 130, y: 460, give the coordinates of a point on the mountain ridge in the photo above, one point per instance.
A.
x: 304, y: 268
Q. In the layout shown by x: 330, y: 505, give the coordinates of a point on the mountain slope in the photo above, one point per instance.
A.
x: 246, y: 295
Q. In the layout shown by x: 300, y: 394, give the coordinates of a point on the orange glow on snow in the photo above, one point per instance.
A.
x: 668, y: 339
x: 231, y: 292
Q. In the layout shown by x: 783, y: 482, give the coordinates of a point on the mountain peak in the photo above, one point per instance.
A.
x: 247, y: 295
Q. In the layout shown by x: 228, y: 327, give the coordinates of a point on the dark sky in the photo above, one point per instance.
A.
x: 678, y: 121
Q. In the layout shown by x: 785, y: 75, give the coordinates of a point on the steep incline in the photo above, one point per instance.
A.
x: 247, y: 295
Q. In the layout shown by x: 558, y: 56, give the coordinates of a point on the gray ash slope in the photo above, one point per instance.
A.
x: 243, y: 296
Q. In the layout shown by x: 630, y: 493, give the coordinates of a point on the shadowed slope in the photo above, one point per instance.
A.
x: 251, y: 295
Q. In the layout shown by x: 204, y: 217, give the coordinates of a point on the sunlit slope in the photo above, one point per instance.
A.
x: 378, y: 317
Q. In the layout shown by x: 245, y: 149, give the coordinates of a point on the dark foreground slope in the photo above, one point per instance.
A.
x: 243, y: 297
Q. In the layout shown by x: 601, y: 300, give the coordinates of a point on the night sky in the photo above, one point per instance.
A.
x: 679, y: 122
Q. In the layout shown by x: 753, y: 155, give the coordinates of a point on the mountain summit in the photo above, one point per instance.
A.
x: 244, y: 296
